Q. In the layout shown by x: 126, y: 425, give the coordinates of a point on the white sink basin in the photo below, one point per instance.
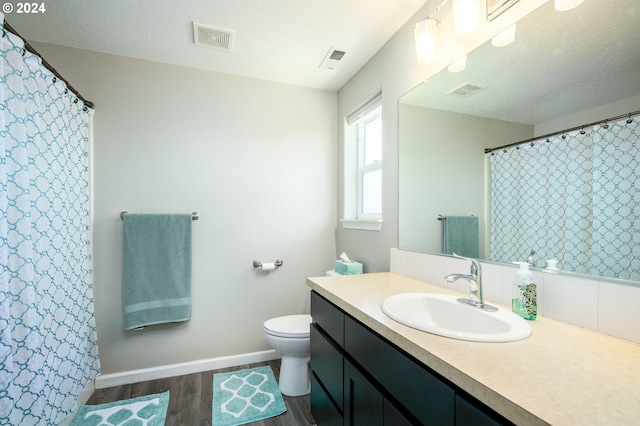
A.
x: 442, y: 314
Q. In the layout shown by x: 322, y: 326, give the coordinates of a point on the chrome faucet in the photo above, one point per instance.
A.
x: 530, y: 259
x: 475, y: 285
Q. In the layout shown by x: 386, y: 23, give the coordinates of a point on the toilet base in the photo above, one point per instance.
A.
x: 294, y: 375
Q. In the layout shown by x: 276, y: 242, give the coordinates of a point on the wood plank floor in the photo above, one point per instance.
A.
x: 190, y: 401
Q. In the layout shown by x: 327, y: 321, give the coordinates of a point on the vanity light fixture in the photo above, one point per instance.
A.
x: 505, y: 38
x: 426, y: 33
x: 562, y: 5
x: 466, y: 15
x: 458, y: 65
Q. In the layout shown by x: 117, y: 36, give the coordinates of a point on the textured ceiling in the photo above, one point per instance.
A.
x: 560, y: 63
x: 276, y: 40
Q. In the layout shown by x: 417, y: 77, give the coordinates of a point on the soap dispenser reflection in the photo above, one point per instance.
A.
x: 524, y: 299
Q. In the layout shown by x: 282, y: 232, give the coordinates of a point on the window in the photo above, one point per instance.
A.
x: 363, y: 167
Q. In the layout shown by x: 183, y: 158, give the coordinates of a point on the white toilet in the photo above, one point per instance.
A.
x: 289, y: 336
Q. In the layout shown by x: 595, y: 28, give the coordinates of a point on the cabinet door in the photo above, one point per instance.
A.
x: 473, y: 414
x: 393, y: 417
x: 363, y: 404
x: 326, y: 363
x: 323, y: 409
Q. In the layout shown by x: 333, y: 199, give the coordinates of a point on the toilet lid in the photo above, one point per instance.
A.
x: 288, y: 326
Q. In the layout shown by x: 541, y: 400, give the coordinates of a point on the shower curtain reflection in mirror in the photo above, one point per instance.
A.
x: 48, y: 344
x: 573, y: 197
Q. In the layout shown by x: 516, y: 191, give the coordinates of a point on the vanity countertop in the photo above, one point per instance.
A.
x: 560, y: 375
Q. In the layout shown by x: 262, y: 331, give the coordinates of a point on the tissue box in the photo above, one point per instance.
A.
x: 348, y: 268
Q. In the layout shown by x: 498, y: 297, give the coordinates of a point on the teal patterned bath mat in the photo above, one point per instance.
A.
x: 149, y: 410
x: 245, y: 396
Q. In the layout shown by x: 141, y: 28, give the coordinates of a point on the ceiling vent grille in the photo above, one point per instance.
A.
x: 465, y: 90
x: 332, y: 58
x: 216, y: 38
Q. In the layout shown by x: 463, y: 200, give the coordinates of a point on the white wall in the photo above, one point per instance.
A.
x: 395, y: 71
x: 255, y: 159
x: 593, y: 115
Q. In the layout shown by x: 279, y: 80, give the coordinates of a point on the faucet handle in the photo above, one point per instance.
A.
x: 475, y: 265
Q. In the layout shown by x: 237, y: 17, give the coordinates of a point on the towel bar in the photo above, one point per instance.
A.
x: 440, y: 217
x: 194, y: 215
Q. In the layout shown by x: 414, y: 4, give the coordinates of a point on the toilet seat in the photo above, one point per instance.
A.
x: 289, y: 326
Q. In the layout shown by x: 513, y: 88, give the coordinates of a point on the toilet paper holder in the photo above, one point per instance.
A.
x: 258, y: 264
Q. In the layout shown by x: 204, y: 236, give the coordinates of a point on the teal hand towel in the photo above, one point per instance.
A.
x: 156, y: 269
x: 461, y: 236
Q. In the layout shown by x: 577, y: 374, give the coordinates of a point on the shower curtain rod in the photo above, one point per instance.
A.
x: 46, y: 64
x: 606, y: 120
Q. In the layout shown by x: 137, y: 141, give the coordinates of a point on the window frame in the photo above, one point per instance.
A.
x: 362, y: 168
x: 355, y: 170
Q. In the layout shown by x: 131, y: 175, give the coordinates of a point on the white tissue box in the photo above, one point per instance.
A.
x: 348, y: 268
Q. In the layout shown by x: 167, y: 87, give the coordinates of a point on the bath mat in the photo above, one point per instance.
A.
x: 245, y: 396
x: 149, y: 410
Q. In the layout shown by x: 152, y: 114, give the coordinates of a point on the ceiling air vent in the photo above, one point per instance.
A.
x: 332, y: 58
x: 465, y: 90
x: 217, y: 38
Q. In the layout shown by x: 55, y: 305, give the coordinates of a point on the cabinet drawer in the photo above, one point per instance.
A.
x: 328, y: 317
x: 423, y: 394
x: 322, y: 409
x: 327, y: 365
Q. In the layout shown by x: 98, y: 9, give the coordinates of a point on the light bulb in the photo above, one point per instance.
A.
x: 562, y: 5
x: 505, y: 37
x: 425, y: 33
x: 466, y: 14
x: 458, y: 65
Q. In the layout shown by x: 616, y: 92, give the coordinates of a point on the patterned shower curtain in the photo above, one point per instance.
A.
x: 574, y: 197
x: 48, y: 344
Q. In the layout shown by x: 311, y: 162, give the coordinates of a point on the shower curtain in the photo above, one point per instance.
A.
x: 48, y: 344
x: 574, y: 197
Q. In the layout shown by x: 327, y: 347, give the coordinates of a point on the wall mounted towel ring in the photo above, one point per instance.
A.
x: 194, y: 215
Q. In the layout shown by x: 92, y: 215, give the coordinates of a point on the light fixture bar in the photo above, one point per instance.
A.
x: 466, y: 15
x: 437, y: 8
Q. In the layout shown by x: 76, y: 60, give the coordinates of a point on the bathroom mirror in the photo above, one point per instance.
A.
x: 563, y: 70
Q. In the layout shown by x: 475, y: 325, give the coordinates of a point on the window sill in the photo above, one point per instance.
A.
x: 362, y: 224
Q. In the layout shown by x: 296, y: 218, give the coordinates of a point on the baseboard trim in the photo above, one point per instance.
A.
x: 161, y: 372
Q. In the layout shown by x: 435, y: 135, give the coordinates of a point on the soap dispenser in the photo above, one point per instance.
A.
x: 523, y: 301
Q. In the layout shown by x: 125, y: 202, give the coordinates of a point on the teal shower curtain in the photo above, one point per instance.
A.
x: 574, y: 197
x: 48, y: 344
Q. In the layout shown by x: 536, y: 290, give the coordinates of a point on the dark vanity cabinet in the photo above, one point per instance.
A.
x: 359, y: 378
x: 327, y: 362
x: 366, y: 405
